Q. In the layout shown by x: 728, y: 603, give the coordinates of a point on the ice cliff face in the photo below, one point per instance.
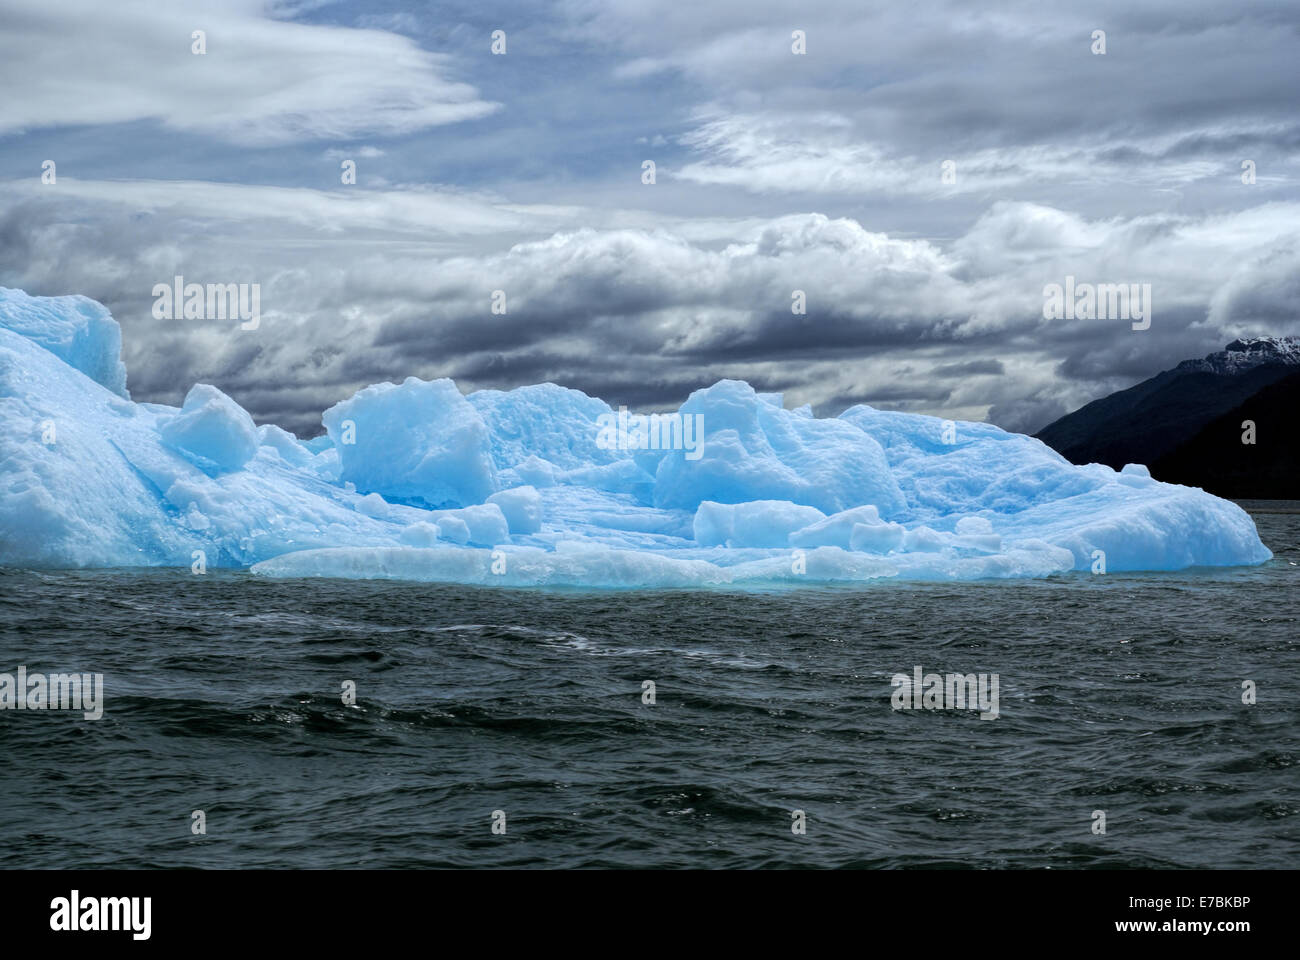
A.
x: 523, y: 487
x: 77, y: 330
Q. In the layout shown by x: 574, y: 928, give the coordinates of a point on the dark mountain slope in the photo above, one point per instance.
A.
x: 1153, y: 419
x: 1216, y: 459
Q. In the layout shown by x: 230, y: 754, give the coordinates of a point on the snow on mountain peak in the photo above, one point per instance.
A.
x: 1246, y: 353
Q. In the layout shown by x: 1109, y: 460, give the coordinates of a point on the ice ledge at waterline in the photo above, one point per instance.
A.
x: 541, y: 486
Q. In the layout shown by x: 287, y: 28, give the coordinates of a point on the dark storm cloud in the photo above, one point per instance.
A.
x: 777, y: 174
x: 970, y: 368
x: 1028, y: 413
x: 648, y: 317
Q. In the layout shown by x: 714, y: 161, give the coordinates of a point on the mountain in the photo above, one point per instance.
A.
x: 1242, y: 355
x: 1185, y: 423
x: 1216, y: 460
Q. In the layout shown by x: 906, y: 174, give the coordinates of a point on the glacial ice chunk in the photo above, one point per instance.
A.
x: 373, y: 505
x: 754, y: 450
x: 77, y: 330
x: 522, y: 507
x: 835, y: 530
x: 876, y: 537
x: 512, y: 488
x: 212, y: 429
x: 580, y: 565
x: 553, y: 423
x: 453, y: 528
x: 422, y: 533
x: 535, y: 471
x: 759, y: 523
x: 483, y: 524
x: 417, y: 440
x: 285, y: 444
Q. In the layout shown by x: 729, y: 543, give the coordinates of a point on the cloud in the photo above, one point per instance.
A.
x: 1263, y: 292
x: 635, y: 314
x: 766, y: 153
x: 819, y: 173
x: 365, y: 152
x: 262, y: 80
x: 1014, y: 97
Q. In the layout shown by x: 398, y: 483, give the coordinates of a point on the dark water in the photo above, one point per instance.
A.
x: 1119, y: 693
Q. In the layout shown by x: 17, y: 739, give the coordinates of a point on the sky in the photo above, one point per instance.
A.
x: 774, y: 171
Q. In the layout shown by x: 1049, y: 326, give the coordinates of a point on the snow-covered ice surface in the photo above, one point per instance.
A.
x: 417, y: 481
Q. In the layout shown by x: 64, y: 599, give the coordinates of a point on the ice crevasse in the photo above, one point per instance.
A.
x: 416, y: 480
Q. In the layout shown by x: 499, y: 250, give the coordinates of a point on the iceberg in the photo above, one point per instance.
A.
x: 419, y: 440
x: 212, y: 430
x: 417, y: 481
x: 758, y: 523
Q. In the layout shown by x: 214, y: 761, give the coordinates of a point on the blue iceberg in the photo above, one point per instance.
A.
x: 546, y: 486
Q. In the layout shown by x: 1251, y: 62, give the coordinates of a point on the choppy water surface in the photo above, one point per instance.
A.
x: 1119, y: 693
